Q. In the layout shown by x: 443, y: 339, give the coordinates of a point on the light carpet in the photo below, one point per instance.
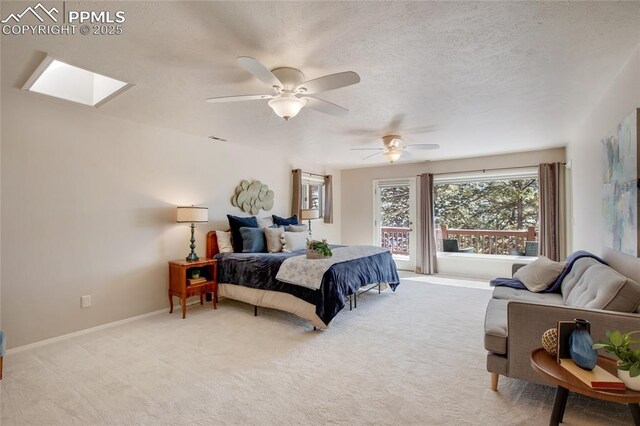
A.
x: 411, y: 357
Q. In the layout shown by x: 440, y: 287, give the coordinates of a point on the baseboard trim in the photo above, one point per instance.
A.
x: 92, y: 329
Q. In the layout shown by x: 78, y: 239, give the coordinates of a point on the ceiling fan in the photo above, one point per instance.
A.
x: 290, y: 90
x: 394, y: 148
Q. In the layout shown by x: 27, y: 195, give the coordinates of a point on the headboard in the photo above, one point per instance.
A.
x: 212, y: 244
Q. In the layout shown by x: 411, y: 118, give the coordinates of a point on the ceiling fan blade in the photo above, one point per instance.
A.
x: 372, y: 155
x: 366, y: 149
x: 406, y: 155
x: 419, y: 130
x: 395, y: 123
x: 329, y: 82
x: 238, y: 98
x: 261, y: 72
x: 423, y: 146
x: 326, y: 106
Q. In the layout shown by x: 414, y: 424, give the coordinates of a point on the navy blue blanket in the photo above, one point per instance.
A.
x: 555, y: 287
x: 259, y: 270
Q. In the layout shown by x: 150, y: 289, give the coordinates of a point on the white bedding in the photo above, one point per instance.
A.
x: 299, y: 270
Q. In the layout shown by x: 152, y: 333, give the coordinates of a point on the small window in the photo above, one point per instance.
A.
x: 312, y: 194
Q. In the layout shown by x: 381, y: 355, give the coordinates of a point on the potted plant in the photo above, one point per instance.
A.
x: 619, y: 344
x: 318, y: 249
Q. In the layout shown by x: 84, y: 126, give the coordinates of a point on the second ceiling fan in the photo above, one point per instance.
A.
x: 394, y: 148
x: 290, y: 91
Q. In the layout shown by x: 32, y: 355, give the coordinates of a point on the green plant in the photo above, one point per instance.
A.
x: 320, y: 246
x: 619, y: 345
x: 195, y: 272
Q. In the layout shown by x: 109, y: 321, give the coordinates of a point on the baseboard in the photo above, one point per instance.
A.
x: 92, y: 329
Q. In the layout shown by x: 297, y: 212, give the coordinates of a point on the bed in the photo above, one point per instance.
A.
x: 251, y: 278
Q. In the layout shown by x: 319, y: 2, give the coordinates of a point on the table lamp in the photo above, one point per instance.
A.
x: 309, y: 215
x: 193, y: 215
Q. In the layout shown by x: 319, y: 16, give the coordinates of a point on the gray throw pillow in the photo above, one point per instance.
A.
x: 298, y: 228
x: 273, y: 236
x: 539, y: 274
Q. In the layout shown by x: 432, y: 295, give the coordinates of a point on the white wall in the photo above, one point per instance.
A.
x: 586, y: 156
x: 357, y: 184
x: 88, y: 208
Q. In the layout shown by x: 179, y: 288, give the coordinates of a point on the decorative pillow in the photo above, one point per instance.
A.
x: 281, y: 221
x: 237, y: 222
x: 265, y: 222
x: 224, y: 242
x: 539, y: 274
x: 294, y: 241
x: 273, y: 237
x: 298, y: 228
x: 253, y: 240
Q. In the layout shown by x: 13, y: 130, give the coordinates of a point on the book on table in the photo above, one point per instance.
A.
x: 598, y: 378
x: 191, y: 281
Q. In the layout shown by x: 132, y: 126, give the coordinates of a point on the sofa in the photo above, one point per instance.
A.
x: 516, y: 318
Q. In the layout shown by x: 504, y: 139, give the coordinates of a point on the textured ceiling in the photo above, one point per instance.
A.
x: 484, y: 77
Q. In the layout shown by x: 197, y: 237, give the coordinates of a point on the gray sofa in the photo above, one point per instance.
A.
x: 516, y: 319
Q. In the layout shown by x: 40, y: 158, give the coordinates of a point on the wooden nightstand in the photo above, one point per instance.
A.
x: 179, y: 271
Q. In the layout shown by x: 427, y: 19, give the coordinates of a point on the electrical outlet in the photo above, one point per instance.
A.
x: 85, y: 301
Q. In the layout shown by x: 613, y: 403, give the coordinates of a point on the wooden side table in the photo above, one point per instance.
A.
x: 180, y: 271
x: 546, y: 365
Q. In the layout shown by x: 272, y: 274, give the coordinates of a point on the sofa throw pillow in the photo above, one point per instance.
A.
x: 294, y: 241
x: 539, y: 274
x: 273, y: 237
x: 253, y: 240
x: 224, y: 242
x: 237, y: 222
x: 282, y: 221
x: 298, y: 228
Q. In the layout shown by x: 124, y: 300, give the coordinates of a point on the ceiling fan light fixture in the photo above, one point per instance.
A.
x: 392, y: 155
x: 287, y: 106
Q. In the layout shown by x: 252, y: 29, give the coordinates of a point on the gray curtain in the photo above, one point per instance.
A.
x: 426, y: 239
x: 296, y: 192
x: 328, y: 199
x: 552, y: 234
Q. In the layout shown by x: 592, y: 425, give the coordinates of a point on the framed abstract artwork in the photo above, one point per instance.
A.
x: 621, y: 181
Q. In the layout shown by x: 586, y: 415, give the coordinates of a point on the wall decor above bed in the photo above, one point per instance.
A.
x: 252, y: 197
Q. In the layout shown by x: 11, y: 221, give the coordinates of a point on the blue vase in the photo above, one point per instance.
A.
x: 581, y: 346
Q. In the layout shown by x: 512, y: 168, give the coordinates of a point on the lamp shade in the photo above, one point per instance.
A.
x: 192, y: 214
x: 392, y: 154
x: 286, y: 106
x: 309, y: 214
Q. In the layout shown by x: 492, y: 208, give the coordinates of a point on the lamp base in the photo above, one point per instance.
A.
x: 192, y: 257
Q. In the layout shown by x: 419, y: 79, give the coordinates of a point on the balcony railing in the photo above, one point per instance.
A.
x: 484, y: 241
x: 491, y: 241
x: 395, y: 239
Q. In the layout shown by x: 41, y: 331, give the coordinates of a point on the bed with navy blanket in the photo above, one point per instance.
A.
x: 251, y: 277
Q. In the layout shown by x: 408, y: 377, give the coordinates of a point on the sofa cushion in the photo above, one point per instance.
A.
x: 509, y: 293
x: 495, y: 326
x: 600, y: 287
x: 539, y: 274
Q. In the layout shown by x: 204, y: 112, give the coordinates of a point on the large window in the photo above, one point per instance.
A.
x: 487, y: 214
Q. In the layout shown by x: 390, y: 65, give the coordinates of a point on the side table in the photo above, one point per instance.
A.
x: 546, y: 366
x: 179, y: 271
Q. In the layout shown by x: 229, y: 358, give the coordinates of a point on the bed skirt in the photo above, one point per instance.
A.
x: 272, y: 299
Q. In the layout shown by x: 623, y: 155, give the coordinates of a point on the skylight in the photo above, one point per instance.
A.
x: 61, y: 80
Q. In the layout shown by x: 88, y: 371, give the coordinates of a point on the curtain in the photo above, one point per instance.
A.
x: 328, y: 199
x: 426, y: 239
x: 552, y: 235
x: 296, y: 192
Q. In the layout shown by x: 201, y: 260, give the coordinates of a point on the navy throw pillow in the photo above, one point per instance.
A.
x: 237, y: 222
x: 253, y: 240
x: 281, y: 221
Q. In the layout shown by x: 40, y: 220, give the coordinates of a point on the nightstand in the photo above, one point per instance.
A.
x: 180, y: 271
